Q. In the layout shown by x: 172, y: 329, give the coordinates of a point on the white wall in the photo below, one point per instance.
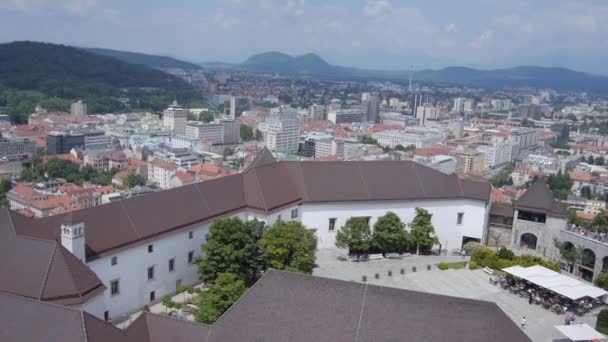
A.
x: 133, y: 263
x: 132, y: 270
x: 316, y: 216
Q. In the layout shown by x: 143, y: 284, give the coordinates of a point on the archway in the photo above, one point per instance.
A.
x: 569, y: 254
x: 587, y: 264
x: 528, y: 240
x: 605, y: 264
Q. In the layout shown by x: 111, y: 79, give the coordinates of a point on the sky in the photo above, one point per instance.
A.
x: 379, y: 34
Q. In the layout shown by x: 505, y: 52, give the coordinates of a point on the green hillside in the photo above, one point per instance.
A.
x: 54, y: 75
x: 152, y: 61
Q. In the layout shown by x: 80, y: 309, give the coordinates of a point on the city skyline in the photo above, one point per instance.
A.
x: 369, y: 34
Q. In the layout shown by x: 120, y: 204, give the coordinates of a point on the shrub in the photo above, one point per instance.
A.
x: 470, y: 246
x: 503, y: 263
x: 472, y: 265
x: 602, y: 280
x: 483, y: 256
x: 601, y: 324
x: 443, y: 266
x: 505, y: 253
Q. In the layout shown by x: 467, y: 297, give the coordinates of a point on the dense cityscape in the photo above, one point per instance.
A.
x: 147, y: 198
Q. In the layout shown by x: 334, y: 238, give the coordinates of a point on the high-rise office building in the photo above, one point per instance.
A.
x: 238, y: 105
x: 282, y: 129
x: 370, y: 105
x: 78, y: 108
x: 174, y: 118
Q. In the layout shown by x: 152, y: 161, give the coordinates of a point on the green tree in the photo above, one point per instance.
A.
x: 591, y: 160
x: 390, y: 235
x: 228, y: 152
x: 134, y: 179
x: 231, y: 248
x: 246, y: 133
x: 600, y: 221
x: 601, y: 324
x: 355, y: 235
x: 206, y: 116
x: 223, y: 292
x: 560, y: 185
x: 422, y: 231
x: 599, y: 161
x: 258, y: 135
x: 602, y: 280
x: 289, y: 246
x: 5, y: 187
x: 368, y: 140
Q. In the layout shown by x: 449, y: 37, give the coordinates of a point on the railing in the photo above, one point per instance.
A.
x: 589, y: 235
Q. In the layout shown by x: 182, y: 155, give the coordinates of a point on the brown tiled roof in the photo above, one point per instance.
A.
x: 282, y: 306
x: 294, y: 307
x: 540, y: 198
x: 269, y: 186
x: 30, y: 320
x: 42, y: 268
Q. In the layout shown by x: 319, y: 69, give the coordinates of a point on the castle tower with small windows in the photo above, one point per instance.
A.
x: 72, y: 237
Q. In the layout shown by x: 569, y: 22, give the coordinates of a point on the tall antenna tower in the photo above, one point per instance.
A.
x: 411, y: 88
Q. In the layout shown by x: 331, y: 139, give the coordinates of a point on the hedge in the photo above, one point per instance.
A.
x: 486, y: 257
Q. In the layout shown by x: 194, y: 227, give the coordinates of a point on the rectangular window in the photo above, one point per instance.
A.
x: 150, y: 272
x: 190, y: 257
x: 190, y: 235
x: 114, y: 260
x: 152, y: 296
x: 332, y: 224
x: 171, y: 264
x: 294, y: 213
x: 106, y: 315
x: 114, y: 287
x: 150, y: 248
x: 459, y: 218
x: 279, y: 217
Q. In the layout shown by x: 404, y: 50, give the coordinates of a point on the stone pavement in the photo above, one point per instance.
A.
x: 459, y: 283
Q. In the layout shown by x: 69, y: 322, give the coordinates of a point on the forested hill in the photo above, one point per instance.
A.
x: 153, y: 61
x: 54, y: 75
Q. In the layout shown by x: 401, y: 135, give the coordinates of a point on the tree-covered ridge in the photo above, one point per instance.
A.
x: 54, y: 75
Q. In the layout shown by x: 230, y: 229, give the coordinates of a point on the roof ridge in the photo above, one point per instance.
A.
x: 361, y: 312
x: 129, y: 218
x: 84, y: 326
x: 420, y: 183
x: 200, y: 194
x: 73, y: 279
x: 257, y: 180
x: 48, y: 269
x: 367, y: 189
x: 29, y: 299
x: 244, y: 293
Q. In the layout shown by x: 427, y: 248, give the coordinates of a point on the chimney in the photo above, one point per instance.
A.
x: 72, y: 238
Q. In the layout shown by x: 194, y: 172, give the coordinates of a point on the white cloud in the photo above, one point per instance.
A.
x: 451, y: 28
x: 483, y: 40
x: 377, y: 8
x: 224, y: 22
x: 71, y: 7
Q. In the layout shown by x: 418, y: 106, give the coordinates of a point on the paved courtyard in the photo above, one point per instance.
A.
x: 460, y: 283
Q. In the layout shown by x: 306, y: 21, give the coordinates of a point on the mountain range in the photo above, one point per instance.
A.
x: 153, y: 61
x: 311, y: 65
x: 53, y: 75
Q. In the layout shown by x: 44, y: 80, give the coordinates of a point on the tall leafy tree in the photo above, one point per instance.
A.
x: 231, y: 247
x: 355, y: 235
x: 289, y: 246
x: 422, y: 231
x: 223, y: 292
x: 246, y: 133
x: 389, y: 234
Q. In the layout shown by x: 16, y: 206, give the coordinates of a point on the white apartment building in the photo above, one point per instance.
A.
x: 317, y: 112
x: 502, y: 105
x: 458, y: 104
x: 211, y: 132
x: 281, y: 130
x: 132, y: 253
x: 174, y: 118
x: 160, y: 173
x: 319, y: 145
x: 418, y: 137
x: 496, y: 153
x: 427, y: 112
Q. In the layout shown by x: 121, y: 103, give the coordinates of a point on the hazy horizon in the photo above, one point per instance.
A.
x: 373, y: 34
